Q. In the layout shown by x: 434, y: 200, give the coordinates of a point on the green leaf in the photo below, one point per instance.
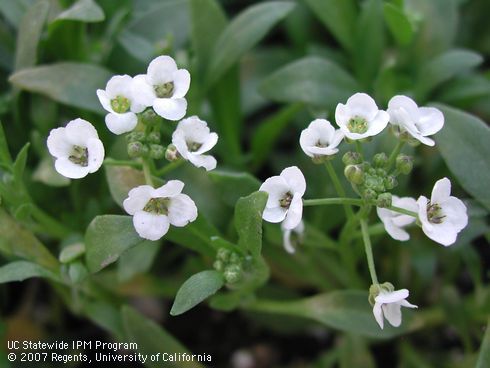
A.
x: 248, y: 222
x: 71, y: 252
x: 347, y: 311
x: 465, y: 89
x: 444, y: 67
x: 311, y: 80
x: 45, y: 173
x: 77, y: 272
x: 197, y: 288
x: 5, y: 158
x: 339, y: 16
x: 269, y: 131
x: 137, y: 260
x: 22, y: 270
x: 152, y: 338
x: 484, y: 356
x: 87, y: 11
x: 20, y: 163
x: 244, y: 32
x: 121, y: 180
x: 14, y: 10
x: 138, y: 47
x: 233, y: 185
x: 70, y: 83
x: 30, y: 30
x: 18, y: 241
x: 107, y: 237
x: 398, y: 24
x: 463, y: 143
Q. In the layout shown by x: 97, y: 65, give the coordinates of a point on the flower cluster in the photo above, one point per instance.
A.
x: 136, y: 107
x: 441, y: 217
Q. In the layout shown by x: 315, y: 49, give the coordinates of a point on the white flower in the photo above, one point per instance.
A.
x: 285, y: 197
x: 389, y: 304
x: 163, y: 87
x: 320, y: 139
x: 444, y: 216
x: 395, y: 222
x: 154, y: 210
x: 299, y: 230
x: 77, y: 149
x: 419, y: 122
x: 118, y: 100
x: 360, y: 118
x: 192, y: 138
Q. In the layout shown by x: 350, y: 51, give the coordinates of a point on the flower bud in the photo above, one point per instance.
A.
x: 153, y: 137
x: 218, y: 265
x: 380, y: 160
x: 149, y: 117
x: 384, y: 200
x: 135, y: 137
x: 375, y: 290
x: 369, y: 194
x: 135, y: 149
x: 375, y: 183
x: 404, y: 164
x: 232, y: 273
x: 390, y: 182
x: 351, y: 158
x: 235, y: 258
x: 171, y: 154
x: 223, y: 254
x: 156, y: 151
x: 354, y: 174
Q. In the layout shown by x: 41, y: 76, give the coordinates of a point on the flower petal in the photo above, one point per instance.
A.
x: 170, y: 108
x: 161, y: 70
x: 121, y: 123
x: 276, y: 187
x: 379, y: 122
x: 58, y: 144
x: 286, y: 241
x: 95, y: 153
x: 392, y: 297
x: 363, y: 105
x: 206, y: 161
x: 142, y: 90
x: 393, y: 313
x: 431, y: 120
x: 295, y: 179
x: 79, y: 131
x: 456, y: 213
x: 378, y: 314
x: 182, y: 82
x: 405, y: 103
x: 150, y: 226
x: 70, y: 170
x: 137, y: 199
x: 181, y: 210
x: 119, y: 85
x: 274, y: 214
x: 171, y: 189
x: 295, y: 213
x: 441, y: 191
x: 104, y: 99
x: 210, y: 142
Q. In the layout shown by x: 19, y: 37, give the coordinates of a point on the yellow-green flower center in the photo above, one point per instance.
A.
x: 193, y: 146
x: 164, y: 90
x: 79, y: 156
x: 157, y: 206
x: 285, y: 201
x: 120, y: 104
x: 434, y: 213
x: 358, y: 125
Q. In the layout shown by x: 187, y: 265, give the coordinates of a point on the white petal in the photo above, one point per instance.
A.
x: 170, y: 108
x: 456, y: 213
x: 161, y: 69
x: 171, y: 189
x: 393, y: 313
x: 58, y: 144
x: 379, y: 122
x: 307, y: 140
x: 407, y: 203
x: 206, y: 161
x: 181, y: 210
x: 276, y: 187
x: 274, y: 214
x: 295, y: 179
x: 362, y: 105
x: 405, y: 103
x: 431, y: 120
x: 404, y: 303
x: 119, y: 85
x: 137, y: 199
x: 378, y: 314
x: 178, y: 140
x: 322, y: 151
x: 286, y: 241
x: 150, y: 226
x: 70, y: 170
x: 342, y: 116
x: 210, y: 142
x: 396, y: 232
x: 194, y: 129
x: 294, y: 213
x: 121, y: 123
x: 142, y: 91
x: 441, y: 234
x: 441, y: 191
x: 104, y: 99
x: 182, y: 81
x: 392, y: 297
x: 79, y: 131
x: 95, y: 153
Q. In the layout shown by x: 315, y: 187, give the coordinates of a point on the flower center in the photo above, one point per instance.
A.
x: 434, y: 213
x: 285, y: 201
x: 120, y: 104
x: 157, y: 206
x: 193, y: 146
x: 357, y: 125
x: 79, y: 156
x: 321, y: 144
x: 165, y: 90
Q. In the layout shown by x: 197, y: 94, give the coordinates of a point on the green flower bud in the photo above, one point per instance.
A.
x: 321, y: 159
x: 404, y: 164
x: 156, y: 151
x: 218, y: 265
x: 380, y: 160
x: 135, y: 149
x: 375, y: 289
x: 369, y: 194
x: 233, y: 273
x: 351, y: 158
x: 354, y: 174
x: 390, y: 182
x: 384, y: 200
x: 149, y: 117
x: 235, y: 258
x: 223, y: 254
x: 171, y: 154
x: 375, y: 183
x: 135, y: 137
x: 153, y: 137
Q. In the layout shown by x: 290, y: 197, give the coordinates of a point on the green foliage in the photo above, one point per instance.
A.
x: 398, y: 23
x: 21, y: 270
x: 82, y: 10
x: 484, y: 357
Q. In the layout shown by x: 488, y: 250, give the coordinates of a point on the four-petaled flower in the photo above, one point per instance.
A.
x: 395, y: 222
x: 117, y: 99
x: 388, y: 304
x: 164, y: 88
x: 299, y: 230
x: 285, y: 197
x: 192, y: 139
x: 419, y: 122
x: 443, y: 216
x: 360, y: 117
x: 320, y: 139
x: 77, y: 149
x: 154, y: 210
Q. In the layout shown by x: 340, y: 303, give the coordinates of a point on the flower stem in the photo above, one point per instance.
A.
x: 394, y: 153
x: 404, y: 211
x: 112, y: 162
x: 147, y: 173
x: 339, y: 189
x: 359, y: 149
x: 169, y: 167
x: 327, y: 201
x: 369, y: 250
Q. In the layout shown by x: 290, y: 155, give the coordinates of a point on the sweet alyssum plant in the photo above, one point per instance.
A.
x: 137, y: 106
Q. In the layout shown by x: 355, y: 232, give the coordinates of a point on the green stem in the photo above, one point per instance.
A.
x: 338, y: 187
x: 112, y: 162
x: 393, y: 154
x: 404, y: 211
x: 169, y: 167
x: 50, y: 225
x: 327, y: 201
x: 359, y: 149
x: 369, y: 251
x: 147, y: 173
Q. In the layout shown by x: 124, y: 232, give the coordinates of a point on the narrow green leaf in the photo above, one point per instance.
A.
x: 45, y: 173
x: 5, y: 158
x: 311, y: 80
x: 484, y: 356
x: 398, y: 24
x: 105, y: 316
x: 248, y: 222
x: 152, y: 338
x: 233, y: 185
x: 20, y: 163
x: 244, y: 32
x: 465, y: 89
x: 121, y: 180
x: 70, y: 83
x: 71, y: 252
x: 18, y: 241
x: 138, y: 47
x: 197, y: 288
x: 339, y: 16
x: 13, y: 11
x: 30, y: 30
x: 107, y: 237
x: 444, y: 67
x: 463, y: 143
x: 22, y: 270
x: 137, y: 260
x: 87, y: 11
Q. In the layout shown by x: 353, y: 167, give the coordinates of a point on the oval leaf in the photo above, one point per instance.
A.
x: 22, y: 270
x: 233, y: 185
x: 121, y: 180
x: 248, y: 222
x: 83, y: 10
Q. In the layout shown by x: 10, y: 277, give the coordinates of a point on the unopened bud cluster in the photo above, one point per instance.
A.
x: 145, y: 145
x: 230, y: 263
